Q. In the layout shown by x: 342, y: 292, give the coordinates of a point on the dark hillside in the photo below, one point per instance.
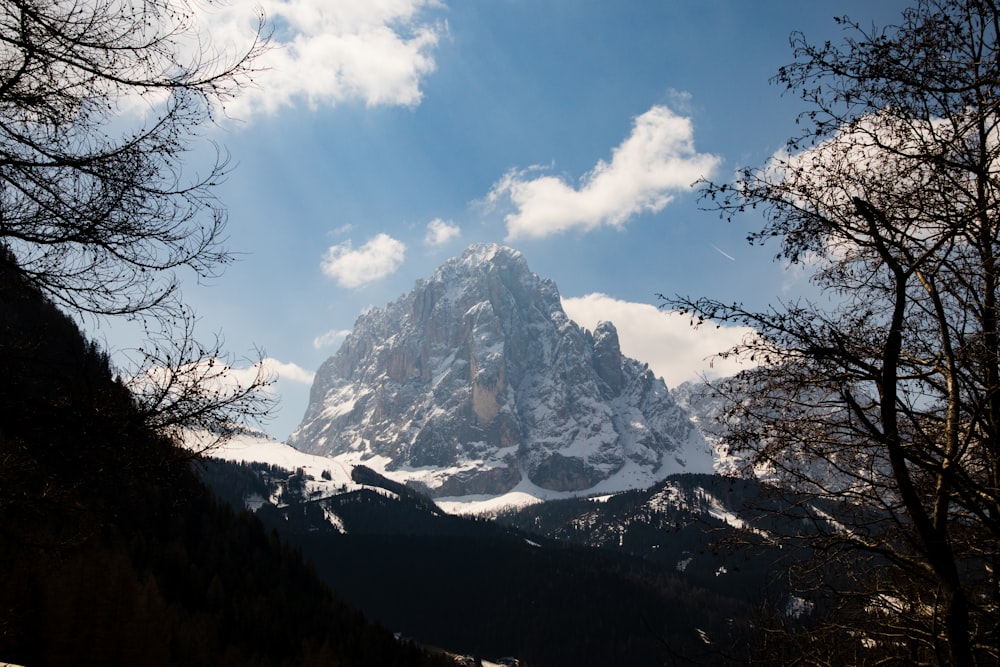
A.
x: 484, y: 589
x: 678, y: 524
x: 112, y: 552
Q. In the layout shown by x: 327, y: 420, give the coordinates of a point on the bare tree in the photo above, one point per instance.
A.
x: 101, y: 103
x: 881, y: 410
x: 99, y: 210
x: 192, y: 391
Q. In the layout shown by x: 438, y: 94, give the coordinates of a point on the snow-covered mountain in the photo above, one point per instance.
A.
x: 706, y: 408
x: 476, y: 382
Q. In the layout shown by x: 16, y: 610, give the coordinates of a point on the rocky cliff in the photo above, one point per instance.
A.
x: 479, y: 373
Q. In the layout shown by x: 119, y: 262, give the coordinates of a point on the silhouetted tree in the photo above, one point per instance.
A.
x: 880, y: 405
x: 100, y: 104
x: 180, y: 384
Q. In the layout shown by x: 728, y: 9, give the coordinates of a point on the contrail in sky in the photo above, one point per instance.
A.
x: 723, y: 253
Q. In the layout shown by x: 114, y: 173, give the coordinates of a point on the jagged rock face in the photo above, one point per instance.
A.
x: 706, y: 409
x: 478, y: 370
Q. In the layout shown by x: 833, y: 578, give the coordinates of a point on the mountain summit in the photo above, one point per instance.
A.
x: 478, y: 374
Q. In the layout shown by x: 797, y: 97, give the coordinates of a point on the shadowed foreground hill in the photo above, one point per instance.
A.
x: 481, y: 588
x: 113, y: 553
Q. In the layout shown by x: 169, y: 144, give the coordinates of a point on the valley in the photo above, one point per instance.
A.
x: 478, y: 472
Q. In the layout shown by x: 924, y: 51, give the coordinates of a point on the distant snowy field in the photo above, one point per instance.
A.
x: 261, y: 448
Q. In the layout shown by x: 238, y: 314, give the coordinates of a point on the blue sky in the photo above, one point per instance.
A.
x: 385, y: 136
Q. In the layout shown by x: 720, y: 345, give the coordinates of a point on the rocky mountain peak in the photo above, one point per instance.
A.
x: 479, y: 376
x: 478, y: 255
x: 608, y: 357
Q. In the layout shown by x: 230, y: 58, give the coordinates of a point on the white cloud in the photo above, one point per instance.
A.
x: 666, y: 341
x: 878, y: 154
x: 376, y: 259
x: 288, y: 371
x: 440, y: 232
x: 657, y: 160
x: 330, y: 338
x: 879, y: 158
x: 209, y: 377
x: 324, y: 53
x: 217, y: 376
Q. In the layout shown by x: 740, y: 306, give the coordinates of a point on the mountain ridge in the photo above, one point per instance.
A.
x: 479, y: 374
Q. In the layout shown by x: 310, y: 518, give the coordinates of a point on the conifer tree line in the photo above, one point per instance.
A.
x: 876, y: 403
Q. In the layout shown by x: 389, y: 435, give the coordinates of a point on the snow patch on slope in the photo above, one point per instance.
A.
x: 257, y: 447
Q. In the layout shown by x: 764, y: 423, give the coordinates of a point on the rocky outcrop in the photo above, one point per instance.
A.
x: 478, y: 372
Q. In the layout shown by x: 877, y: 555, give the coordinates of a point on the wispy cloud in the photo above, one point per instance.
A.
x: 440, y: 232
x: 330, y: 338
x: 324, y: 53
x: 664, y: 340
x: 288, y: 371
x: 233, y: 378
x: 376, y: 259
x: 657, y: 160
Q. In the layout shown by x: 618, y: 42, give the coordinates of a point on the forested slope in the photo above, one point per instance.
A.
x: 112, y: 551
